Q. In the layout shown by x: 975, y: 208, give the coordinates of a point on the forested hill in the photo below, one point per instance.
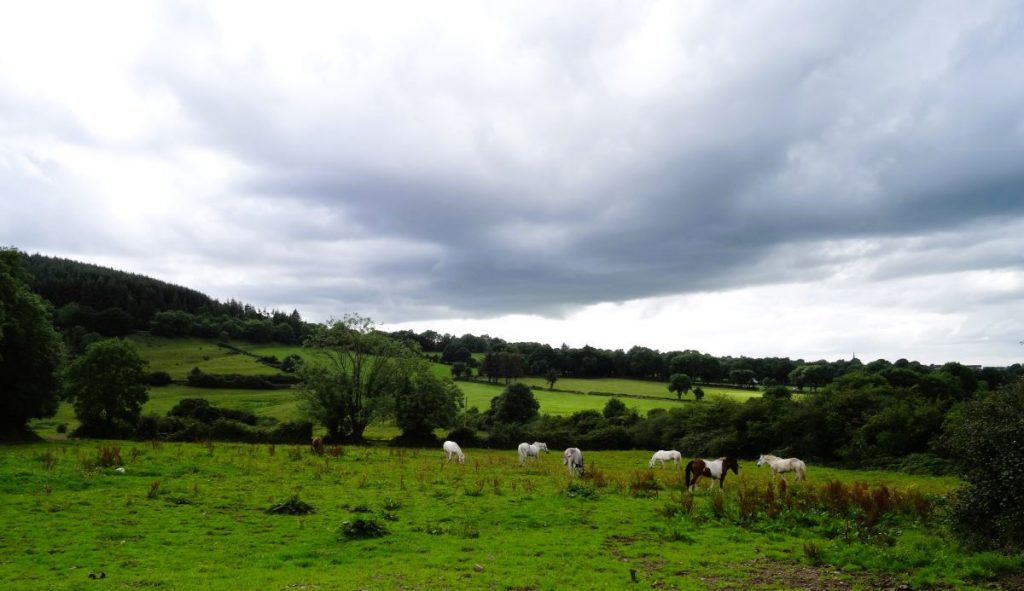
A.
x: 63, y: 281
x: 91, y: 301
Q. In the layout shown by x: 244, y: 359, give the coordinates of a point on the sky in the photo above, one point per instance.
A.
x: 803, y: 179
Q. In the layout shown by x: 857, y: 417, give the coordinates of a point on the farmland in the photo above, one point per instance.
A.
x: 185, y: 516
x: 177, y: 357
x: 188, y: 515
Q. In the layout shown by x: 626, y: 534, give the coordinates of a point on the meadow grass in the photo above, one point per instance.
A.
x: 187, y: 516
x: 479, y: 395
x: 178, y: 356
x: 611, y: 386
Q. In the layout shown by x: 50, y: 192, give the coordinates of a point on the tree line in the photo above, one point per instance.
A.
x: 91, y: 302
x: 503, y: 361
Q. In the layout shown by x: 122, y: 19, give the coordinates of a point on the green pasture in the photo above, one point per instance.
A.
x: 178, y: 356
x: 193, y: 516
x: 479, y: 394
x: 624, y: 387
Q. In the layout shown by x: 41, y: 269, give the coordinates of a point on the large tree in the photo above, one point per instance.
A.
x: 107, y: 386
x: 353, y: 375
x: 680, y: 384
x: 31, y: 353
x: 425, y: 402
x: 515, y: 405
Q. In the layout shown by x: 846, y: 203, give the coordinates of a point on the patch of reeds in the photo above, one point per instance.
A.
x: 643, y: 484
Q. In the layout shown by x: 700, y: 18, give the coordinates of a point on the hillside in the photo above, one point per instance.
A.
x: 64, y: 281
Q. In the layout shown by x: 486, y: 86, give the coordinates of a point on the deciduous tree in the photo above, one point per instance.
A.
x: 31, y: 353
x: 107, y: 385
x: 357, y: 371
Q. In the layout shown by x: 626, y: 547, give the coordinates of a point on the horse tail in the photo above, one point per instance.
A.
x: 801, y: 471
x: 689, y: 472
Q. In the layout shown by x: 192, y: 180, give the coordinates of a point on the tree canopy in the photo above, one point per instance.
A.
x: 31, y: 352
x: 356, y: 372
x: 107, y: 387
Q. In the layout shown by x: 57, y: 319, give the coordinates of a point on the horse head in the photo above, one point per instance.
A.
x: 731, y: 464
x: 761, y: 461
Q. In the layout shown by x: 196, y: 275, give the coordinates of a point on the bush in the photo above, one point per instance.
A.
x: 199, y: 379
x: 984, y: 437
x: 158, y: 378
x: 360, y: 528
x: 464, y: 436
x: 614, y: 437
x: 293, y: 506
x: 201, y: 410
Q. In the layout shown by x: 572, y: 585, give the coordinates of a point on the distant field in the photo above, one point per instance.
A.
x: 479, y: 394
x: 179, y: 356
x: 636, y: 387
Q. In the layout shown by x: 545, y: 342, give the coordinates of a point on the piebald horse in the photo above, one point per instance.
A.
x: 318, y: 445
x: 527, y: 450
x: 781, y: 465
x: 711, y: 469
x: 574, y: 460
x: 452, y: 451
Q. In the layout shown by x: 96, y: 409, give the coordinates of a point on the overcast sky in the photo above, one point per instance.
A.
x: 809, y: 180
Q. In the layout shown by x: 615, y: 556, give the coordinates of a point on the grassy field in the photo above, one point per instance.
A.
x: 179, y: 356
x: 192, y: 516
x: 479, y: 394
x: 635, y: 388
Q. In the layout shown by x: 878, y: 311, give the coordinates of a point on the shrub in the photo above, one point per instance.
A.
x: 579, y: 490
x: 984, y: 438
x: 465, y: 436
x: 360, y: 528
x: 293, y: 506
x: 157, y: 378
x: 615, y: 437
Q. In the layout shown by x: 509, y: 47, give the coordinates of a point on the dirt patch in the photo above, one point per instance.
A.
x: 765, y: 573
x: 1011, y: 582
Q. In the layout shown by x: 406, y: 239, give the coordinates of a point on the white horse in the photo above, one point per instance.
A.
x: 453, y: 451
x: 663, y: 456
x: 527, y: 450
x: 574, y: 460
x: 780, y: 465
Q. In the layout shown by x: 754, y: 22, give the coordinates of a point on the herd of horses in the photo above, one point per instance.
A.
x: 695, y: 469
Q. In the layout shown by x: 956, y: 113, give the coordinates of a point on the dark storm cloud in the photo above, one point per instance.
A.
x: 534, y: 159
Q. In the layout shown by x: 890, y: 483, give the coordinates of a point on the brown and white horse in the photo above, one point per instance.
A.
x: 710, y: 469
x: 318, y: 445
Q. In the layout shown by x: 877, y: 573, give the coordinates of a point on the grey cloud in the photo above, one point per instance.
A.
x: 565, y: 164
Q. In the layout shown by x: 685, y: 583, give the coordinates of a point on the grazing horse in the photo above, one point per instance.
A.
x: 663, y: 456
x: 527, y: 450
x: 574, y: 460
x: 452, y: 451
x: 711, y: 469
x: 318, y: 445
x: 780, y: 465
